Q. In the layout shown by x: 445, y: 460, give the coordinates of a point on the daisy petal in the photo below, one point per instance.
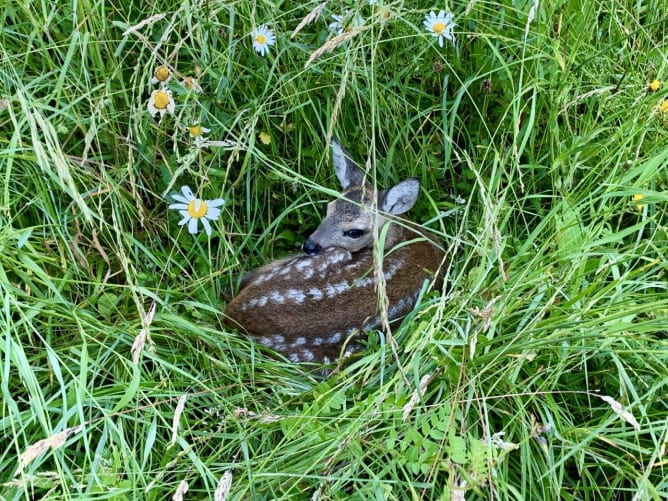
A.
x: 212, y: 213
x: 207, y: 226
x: 183, y: 206
x: 215, y: 203
x: 187, y: 193
x: 192, y: 226
x: 180, y: 198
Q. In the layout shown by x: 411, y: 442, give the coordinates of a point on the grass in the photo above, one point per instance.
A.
x: 539, y: 373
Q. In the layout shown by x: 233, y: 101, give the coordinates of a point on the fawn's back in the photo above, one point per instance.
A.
x: 307, y: 306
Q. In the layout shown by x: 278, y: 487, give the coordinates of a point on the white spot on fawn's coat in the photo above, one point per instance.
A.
x: 296, y: 295
x: 302, y: 265
x: 335, y: 289
x: 335, y: 338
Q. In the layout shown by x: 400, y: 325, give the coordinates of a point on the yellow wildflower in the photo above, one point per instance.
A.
x: 637, y: 197
x: 265, y: 138
x: 663, y: 107
x: 655, y: 85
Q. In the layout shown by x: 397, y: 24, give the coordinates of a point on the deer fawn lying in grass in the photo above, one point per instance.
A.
x: 305, y: 307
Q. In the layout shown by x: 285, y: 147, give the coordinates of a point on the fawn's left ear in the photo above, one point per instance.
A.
x: 400, y: 198
x: 348, y: 172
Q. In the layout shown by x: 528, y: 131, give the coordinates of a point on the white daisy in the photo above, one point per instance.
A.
x: 197, y: 133
x: 344, y: 23
x: 161, y: 75
x: 263, y: 38
x: 337, y: 25
x: 194, y: 209
x: 440, y: 26
x: 161, y: 101
x: 191, y: 84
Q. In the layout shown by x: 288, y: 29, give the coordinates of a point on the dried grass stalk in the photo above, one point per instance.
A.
x: 140, y: 340
x: 140, y: 25
x: 310, y: 17
x: 177, y: 417
x: 180, y: 490
x: 332, y: 44
x: 52, y: 442
x: 223, y: 487
x: 623, y: 414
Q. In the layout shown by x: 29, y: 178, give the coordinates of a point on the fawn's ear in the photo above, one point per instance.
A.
x: 348, y: 172
x: 400, y: 198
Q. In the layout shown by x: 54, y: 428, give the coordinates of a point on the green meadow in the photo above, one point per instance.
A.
x: 539, y: 133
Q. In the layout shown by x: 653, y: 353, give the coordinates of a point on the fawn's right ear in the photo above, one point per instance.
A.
x: 400, y: 198
x: 348, y: 172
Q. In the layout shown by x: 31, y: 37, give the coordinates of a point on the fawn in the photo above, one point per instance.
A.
x: 306, y: 306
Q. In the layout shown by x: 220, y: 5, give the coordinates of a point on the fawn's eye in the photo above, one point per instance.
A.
x: 353, y: 233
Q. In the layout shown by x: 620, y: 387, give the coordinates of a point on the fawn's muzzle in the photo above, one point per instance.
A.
x: 311, y: 248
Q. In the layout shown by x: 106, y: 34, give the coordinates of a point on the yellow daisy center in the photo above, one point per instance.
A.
x: 261, y: 39
x: 439, y: 27
x: 161, y: 100
x: 197, y: 211
x: 162, y: 73
x: 195, y: 130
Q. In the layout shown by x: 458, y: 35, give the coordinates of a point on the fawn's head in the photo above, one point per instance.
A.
x: 350, y: 219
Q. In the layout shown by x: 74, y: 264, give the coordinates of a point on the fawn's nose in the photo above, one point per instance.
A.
x: 311, y: 248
